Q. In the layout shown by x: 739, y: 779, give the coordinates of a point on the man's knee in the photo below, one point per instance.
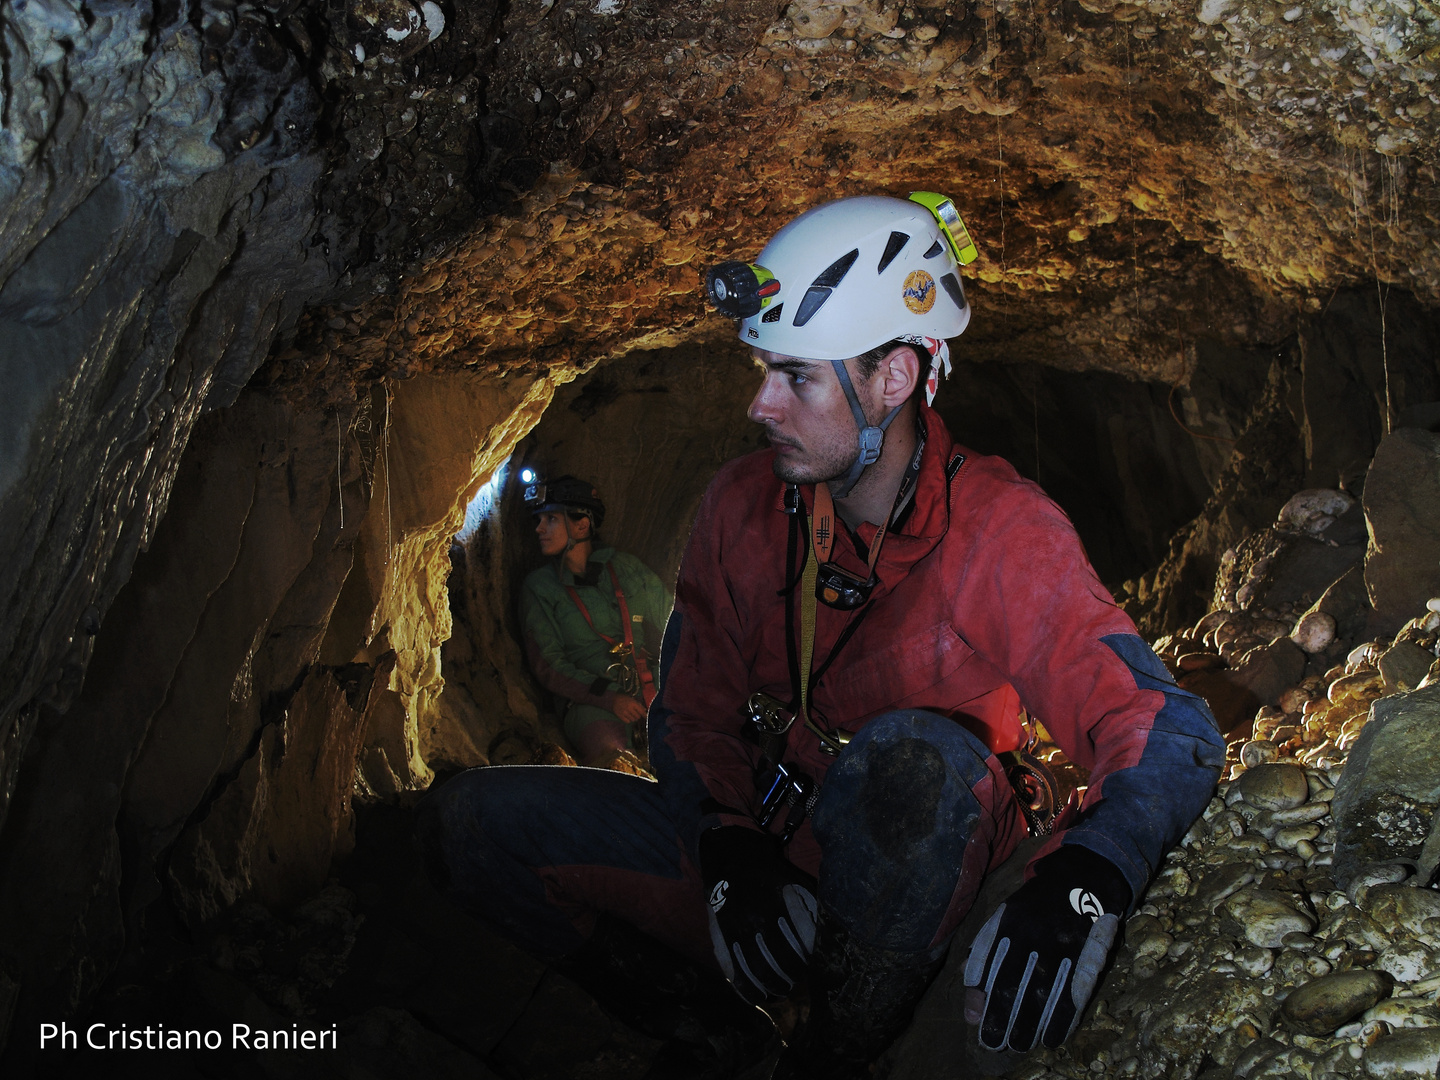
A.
x: 456, y: 818
x: 434, y: 817
x: 895, y: 820
x: 896, y: 771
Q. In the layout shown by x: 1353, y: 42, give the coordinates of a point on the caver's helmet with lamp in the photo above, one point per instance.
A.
x: 847, y: 277
x: 564, y: 494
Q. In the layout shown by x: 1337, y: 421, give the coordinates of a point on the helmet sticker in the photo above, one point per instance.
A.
x: 919, y: 292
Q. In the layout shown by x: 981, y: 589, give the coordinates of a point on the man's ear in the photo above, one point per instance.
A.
x: 899, y: 374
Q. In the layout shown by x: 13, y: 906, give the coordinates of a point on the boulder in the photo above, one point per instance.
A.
x: 1314, y: 510
x: 1413, y: 1052
x: 1402, y: 510
x: 1404, y: 665
x: 1386, y: 798
x: 1269, y: 671
x: 1280, y: 566
x: 1264, y: 916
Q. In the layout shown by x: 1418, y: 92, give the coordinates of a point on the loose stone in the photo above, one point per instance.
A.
x: 1408, y: 961
x: 1405, y: 1013
x: 1375, y: 874
x: 1258, y: 752
x: 1301, y: 815
x: 1323, y: 1004
x: 1253, y: 961
x: 1265, y: 917
x: 1409, y: 1053
x: 1402, y: 908
x: 1314, y: 632
x: 1296, y: 834
x: 1274, y: 786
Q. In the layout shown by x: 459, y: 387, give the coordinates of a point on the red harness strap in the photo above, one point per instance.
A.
x: 642, y: 669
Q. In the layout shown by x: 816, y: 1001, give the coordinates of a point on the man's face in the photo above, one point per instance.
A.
x: 556, y: 530
x: 803, y: 409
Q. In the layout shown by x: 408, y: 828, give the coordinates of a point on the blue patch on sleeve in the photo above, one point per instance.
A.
x: 1147, y: 807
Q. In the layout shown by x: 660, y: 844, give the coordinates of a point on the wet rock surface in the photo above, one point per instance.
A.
x: 1385, y: 803
x: 1402, y: 509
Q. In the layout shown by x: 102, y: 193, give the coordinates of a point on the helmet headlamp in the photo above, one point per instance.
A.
x: 949, y: 220
x: 566, y: 494
x: 739, y: 290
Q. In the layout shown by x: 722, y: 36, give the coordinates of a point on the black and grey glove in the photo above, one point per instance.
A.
x: 762, y: 911
x: 1038, y: 959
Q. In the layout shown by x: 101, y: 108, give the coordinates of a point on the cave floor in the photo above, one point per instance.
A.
x: 415, y: 988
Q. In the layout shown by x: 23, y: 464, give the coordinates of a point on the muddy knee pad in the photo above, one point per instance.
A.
x: 894, y: 819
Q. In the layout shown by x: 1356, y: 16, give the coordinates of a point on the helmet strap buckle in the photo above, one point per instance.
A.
x: 871, y: 440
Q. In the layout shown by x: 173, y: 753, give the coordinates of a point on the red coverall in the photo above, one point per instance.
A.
x: 986, y: 600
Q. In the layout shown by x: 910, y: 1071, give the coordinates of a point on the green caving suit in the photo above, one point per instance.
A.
x: 566, y: 655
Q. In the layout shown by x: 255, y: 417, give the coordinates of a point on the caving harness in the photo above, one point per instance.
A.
x: 630, y: 670
x: 785, y: 788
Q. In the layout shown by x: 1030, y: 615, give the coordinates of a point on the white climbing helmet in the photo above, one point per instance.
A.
x: 850, y: 275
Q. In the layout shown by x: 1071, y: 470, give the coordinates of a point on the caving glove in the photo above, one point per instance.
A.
x: 1038, y: 959
x: 762, y: 911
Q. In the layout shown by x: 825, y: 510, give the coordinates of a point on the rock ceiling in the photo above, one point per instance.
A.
x: 550, y: 179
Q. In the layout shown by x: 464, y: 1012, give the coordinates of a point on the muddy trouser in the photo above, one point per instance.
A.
x: 912, y: 816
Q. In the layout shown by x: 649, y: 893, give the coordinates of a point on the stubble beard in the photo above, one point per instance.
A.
x: 831, y: 466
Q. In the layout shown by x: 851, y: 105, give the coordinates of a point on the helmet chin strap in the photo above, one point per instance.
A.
x: 871, y: 438
x: 571, y: 540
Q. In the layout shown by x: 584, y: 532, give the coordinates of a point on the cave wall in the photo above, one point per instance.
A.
x: 151, y: 244
x: 276, y: 650
x: 1322, y: 412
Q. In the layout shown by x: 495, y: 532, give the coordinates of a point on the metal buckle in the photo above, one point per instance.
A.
x: 1035, y: 790
x: 839, y: 737
x: 769, y: 715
